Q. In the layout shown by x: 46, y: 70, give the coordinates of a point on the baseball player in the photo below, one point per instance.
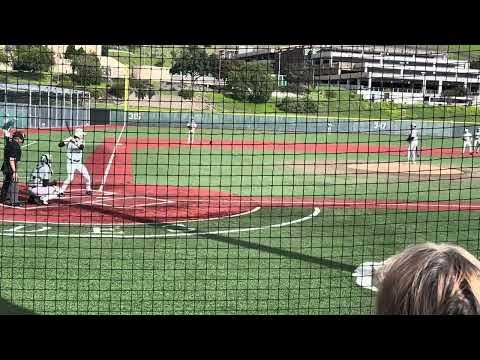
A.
x: 467, y: 141
x: 412, y: 144
x: 329, y: 126
x: 40, y: 186
x: 75, y: 147
x: 192, y: 126
x: 12, y: 156
x: 476, y: 144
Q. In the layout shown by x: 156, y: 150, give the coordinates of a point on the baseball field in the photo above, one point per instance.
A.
x: 237, y: 223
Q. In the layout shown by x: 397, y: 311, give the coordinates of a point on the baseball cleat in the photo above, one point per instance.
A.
x: 89, y: 192
x: 60, y: 195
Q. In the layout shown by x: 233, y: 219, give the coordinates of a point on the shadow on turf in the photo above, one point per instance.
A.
x: 228, y: 240
x: 7, y: 308
x: 278, y: 251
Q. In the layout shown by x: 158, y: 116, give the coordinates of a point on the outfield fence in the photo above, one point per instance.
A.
x: 284, y: 123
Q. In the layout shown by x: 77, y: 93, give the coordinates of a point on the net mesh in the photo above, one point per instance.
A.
x: 229, y: 179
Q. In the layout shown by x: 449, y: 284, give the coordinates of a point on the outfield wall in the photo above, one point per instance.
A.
x: 44, y: 117
x: 282, y: 123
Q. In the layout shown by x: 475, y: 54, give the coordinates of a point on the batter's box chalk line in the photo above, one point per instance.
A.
x: 188, y: 231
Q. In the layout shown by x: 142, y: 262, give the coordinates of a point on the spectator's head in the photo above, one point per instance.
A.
x: 429, y: 279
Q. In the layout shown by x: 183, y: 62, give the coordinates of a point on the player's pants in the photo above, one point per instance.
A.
x: 476, y: 145
x: 45, y: 193
x: 191, y: 135
x: 412, y: 150
x: 9, y: 188
x: 467, y: 144
x: 72, y: 167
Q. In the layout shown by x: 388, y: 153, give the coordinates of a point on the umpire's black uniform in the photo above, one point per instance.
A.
x: 12, y: 151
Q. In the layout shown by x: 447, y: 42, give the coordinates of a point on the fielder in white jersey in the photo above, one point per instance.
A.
x: 75, y: 147
x: 41, y: 187
x: 192, y: 127
x: 467, y: 141
x: 476, y: 144
x: 412, y: 144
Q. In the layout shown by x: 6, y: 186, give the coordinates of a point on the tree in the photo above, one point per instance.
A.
x: 34, y: 58
x: 150, y: 93
x: 70, y: 52
x: 253, y: 82
x: 192, y: 61
x: 475, y: 63
x: 141, y: 88
x: 299, y: 78
x: 117, y: 88
x: 454, y: 92
x: 86, y: 69
x: 220, y: 68
x: 159, y: 62
x: 3, y: 57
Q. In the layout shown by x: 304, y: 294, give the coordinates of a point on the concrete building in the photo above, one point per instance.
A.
x: 154, y: 73
x: 402, y: 74
x: 112, y: 68
x: 379, y: 73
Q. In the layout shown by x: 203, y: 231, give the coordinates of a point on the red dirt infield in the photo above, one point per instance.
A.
x: 125, y: 202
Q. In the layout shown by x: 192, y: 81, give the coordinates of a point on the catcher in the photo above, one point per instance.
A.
x: 40, y: 186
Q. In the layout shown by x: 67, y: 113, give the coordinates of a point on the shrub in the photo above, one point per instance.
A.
x: 186, y: 93
x: 298, y: 105
x: 97, y: 92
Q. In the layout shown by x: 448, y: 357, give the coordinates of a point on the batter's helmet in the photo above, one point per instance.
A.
x: 79, y: 133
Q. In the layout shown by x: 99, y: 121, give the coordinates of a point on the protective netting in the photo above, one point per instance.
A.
x: 229, y: 179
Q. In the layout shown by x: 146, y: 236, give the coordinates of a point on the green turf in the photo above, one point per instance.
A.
x: 267, y: 173
x: 305, y: 269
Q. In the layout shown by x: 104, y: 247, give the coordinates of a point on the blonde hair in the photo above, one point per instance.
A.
x: 429, y: 279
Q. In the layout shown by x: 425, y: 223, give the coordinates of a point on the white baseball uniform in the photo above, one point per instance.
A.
x: 192, y: 126
x: 39, y: 175
x: 75, y: 163
x: 476, y: 144
x: 467, y: 141
x: 413, y: 146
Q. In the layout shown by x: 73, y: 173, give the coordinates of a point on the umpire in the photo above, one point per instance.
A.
x: 12, y: 156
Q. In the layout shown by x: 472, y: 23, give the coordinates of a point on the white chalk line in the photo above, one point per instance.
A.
x: 112, y: 156
x: 133, y: 224
x: 315, y: 213
x: 30, y: 143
